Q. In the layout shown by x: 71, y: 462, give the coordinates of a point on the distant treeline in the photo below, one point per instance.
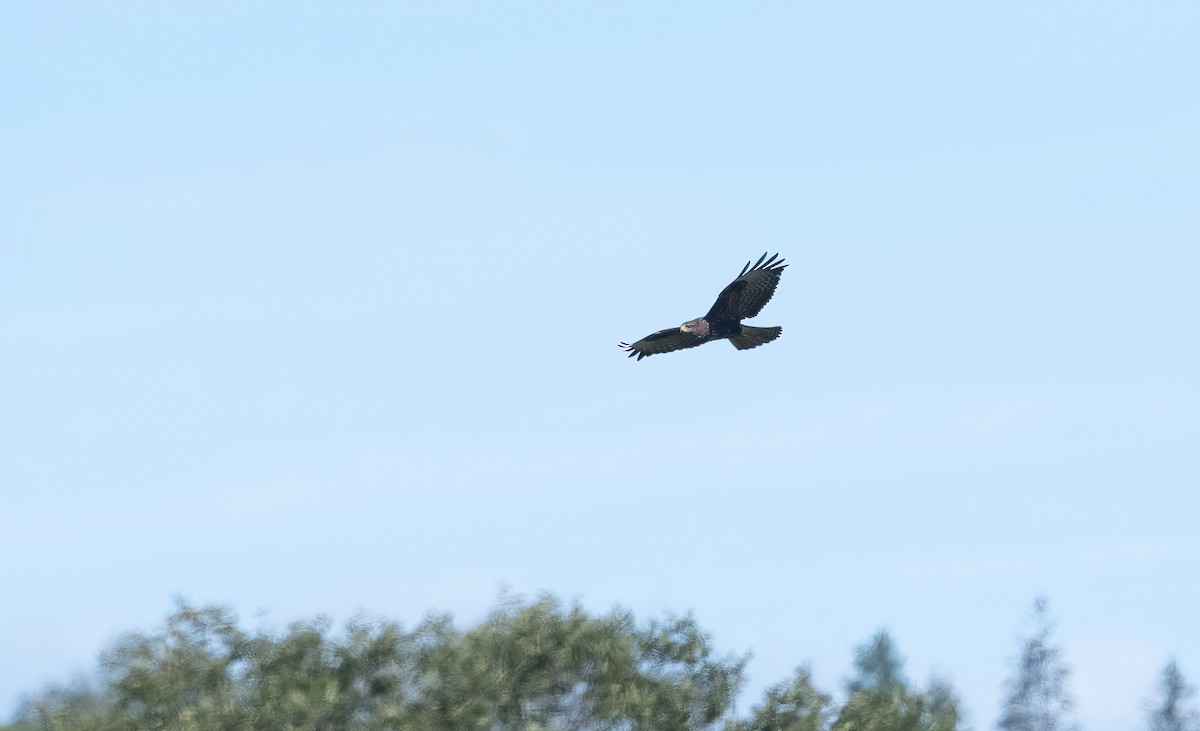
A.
x: 531, y: 665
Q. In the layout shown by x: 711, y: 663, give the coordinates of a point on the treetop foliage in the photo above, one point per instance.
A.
x: 881, y: 699
x: 1171, y: 712
x: 1037, y: 697
x: 533, y: 665
x: 530, y: 665
x: 878, y: 664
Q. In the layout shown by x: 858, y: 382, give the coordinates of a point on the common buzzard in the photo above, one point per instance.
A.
x: 742, y: 299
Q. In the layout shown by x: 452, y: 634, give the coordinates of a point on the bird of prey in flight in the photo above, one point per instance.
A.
x: 742, y: 299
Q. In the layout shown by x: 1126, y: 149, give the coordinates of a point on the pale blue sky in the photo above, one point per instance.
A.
x: 314, y: 308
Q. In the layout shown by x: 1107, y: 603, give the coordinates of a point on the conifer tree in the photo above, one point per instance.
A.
x: 1037, y: 697
x: 1171, y: 712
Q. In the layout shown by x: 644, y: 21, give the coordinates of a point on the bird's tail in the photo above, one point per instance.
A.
x: 752, y: 337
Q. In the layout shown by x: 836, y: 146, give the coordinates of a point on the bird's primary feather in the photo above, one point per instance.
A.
x: 663, y: 341
x: 749, y: 293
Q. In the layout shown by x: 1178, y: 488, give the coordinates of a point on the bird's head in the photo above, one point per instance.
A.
x: 697, y: 327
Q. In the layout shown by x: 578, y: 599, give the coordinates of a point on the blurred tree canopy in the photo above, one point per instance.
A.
x: 531, y: 665
x: 881, y: 699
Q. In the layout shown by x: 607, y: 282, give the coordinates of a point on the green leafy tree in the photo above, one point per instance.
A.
x: 532, y: 666
x: 529, y: 666
x: 76, y: 707
x: 181, y: 678
x: 538, y: 666
x: 1037, y: 697
x: 1171, y: 711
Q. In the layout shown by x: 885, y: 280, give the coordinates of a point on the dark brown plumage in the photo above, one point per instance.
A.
x: 743, y: 298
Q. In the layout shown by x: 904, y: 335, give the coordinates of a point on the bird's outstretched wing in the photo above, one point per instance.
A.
x: 663, y: 341
x: 746, y: 295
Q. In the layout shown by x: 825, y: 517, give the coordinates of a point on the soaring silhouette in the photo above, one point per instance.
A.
x: 742, y: 299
